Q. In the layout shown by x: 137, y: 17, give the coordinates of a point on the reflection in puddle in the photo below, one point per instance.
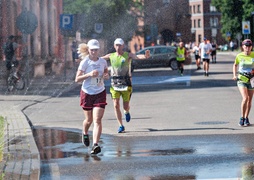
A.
x: 55, y: 144
x: 140, y: 155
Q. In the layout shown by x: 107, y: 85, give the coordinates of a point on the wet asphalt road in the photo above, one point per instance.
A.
x: 184, y: 128
x: 157, y: 157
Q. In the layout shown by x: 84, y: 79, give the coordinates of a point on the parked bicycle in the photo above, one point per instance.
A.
x: 15, y: 80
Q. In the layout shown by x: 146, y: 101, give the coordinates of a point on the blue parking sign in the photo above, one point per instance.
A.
x: 66, y: 21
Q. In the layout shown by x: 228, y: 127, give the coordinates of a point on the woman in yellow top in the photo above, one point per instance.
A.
x: 243, y: 72
x: 181, y: 55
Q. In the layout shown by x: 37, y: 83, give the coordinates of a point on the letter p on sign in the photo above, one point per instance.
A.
x: 66, y: 21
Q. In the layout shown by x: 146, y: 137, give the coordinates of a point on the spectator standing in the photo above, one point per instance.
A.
x: 121, y: 85
x: 232, y: 45
x: 91, y: 72
x: 74, y: 53
x: 243, y: 72
x: 205, y: 49
x: 159, y: 39
x: 9, y: 54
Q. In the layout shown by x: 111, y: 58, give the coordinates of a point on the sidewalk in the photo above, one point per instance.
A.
x: 21, y: 159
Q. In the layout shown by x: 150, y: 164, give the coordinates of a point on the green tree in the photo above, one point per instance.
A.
x: 119, y: 17
x: 233, y: 13
x: 248, y: 6
x: 231, y: 19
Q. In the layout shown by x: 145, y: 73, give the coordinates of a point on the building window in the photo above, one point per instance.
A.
x: 199, y: 11
x: 199, y: 23
x: 190, y: 10
x: 213, y: 8
x: 214, y: 22
x: 194, y: 9
x: 194, y: 23
x: 199, y: 38
x: 166, y: 2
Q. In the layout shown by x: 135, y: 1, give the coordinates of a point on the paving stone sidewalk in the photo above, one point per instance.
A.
x: 21, y: 158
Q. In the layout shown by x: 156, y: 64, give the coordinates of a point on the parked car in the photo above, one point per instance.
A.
x: 161, y: 56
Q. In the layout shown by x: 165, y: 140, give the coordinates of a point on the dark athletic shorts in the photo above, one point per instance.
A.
x: 88, y: 102
x: 197, y: 57
x: 206, y: 60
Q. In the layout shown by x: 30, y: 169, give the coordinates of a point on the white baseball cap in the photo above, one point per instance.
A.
x: 93, y: 44
x: 119, y: 41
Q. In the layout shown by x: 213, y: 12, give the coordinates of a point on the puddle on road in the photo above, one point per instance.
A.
x: 55, y: 144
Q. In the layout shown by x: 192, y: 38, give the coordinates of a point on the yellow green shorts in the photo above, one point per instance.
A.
x: 126, y: 95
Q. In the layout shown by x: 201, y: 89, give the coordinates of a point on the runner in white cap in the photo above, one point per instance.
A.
x: 91, y: 72
x: 121, y: 79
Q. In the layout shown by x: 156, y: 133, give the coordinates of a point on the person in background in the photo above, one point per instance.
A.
x: 243, y: 73
x: 121, y: 85
x: 213, y: 53
x: 91, y: 72
x: 10, y: 48
x: 181, y: 56
x: 205, y: 48
x: 74, y: 51
x: 195, y: 50
x: 232, y: 45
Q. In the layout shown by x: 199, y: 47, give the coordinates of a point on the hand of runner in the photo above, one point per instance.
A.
x: 147, y: 53
x: 105, y: 76
x: 94, y: 73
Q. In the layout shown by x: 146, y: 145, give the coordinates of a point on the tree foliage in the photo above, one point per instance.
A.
x: 119, y: 17
x: 233, y: 13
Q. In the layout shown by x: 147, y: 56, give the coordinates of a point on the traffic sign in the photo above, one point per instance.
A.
x: 27, y: 22
x: 246, y: 27
x: 66, y: 21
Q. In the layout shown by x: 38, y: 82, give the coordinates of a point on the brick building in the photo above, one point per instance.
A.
x: 205, y: 20
x: 167, y: 21
x: 169, y: 18
x: 45, y: 44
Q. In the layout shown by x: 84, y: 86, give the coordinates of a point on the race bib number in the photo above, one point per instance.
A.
x: 97, y: 81
x: 252, y: 82
x: 180, y: 56
x: 120, y: 88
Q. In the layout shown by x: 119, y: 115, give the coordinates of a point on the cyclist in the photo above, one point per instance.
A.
x: 9, y: 52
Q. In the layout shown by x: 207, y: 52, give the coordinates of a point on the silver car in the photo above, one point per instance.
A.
x: 160, y: 56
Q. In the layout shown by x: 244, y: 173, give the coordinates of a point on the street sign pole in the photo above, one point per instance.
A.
x: 27, y: 23
x: 66, y: 25
x: 65, y: 56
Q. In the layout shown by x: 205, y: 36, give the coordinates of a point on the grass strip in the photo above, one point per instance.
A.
x: 2, y: 124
